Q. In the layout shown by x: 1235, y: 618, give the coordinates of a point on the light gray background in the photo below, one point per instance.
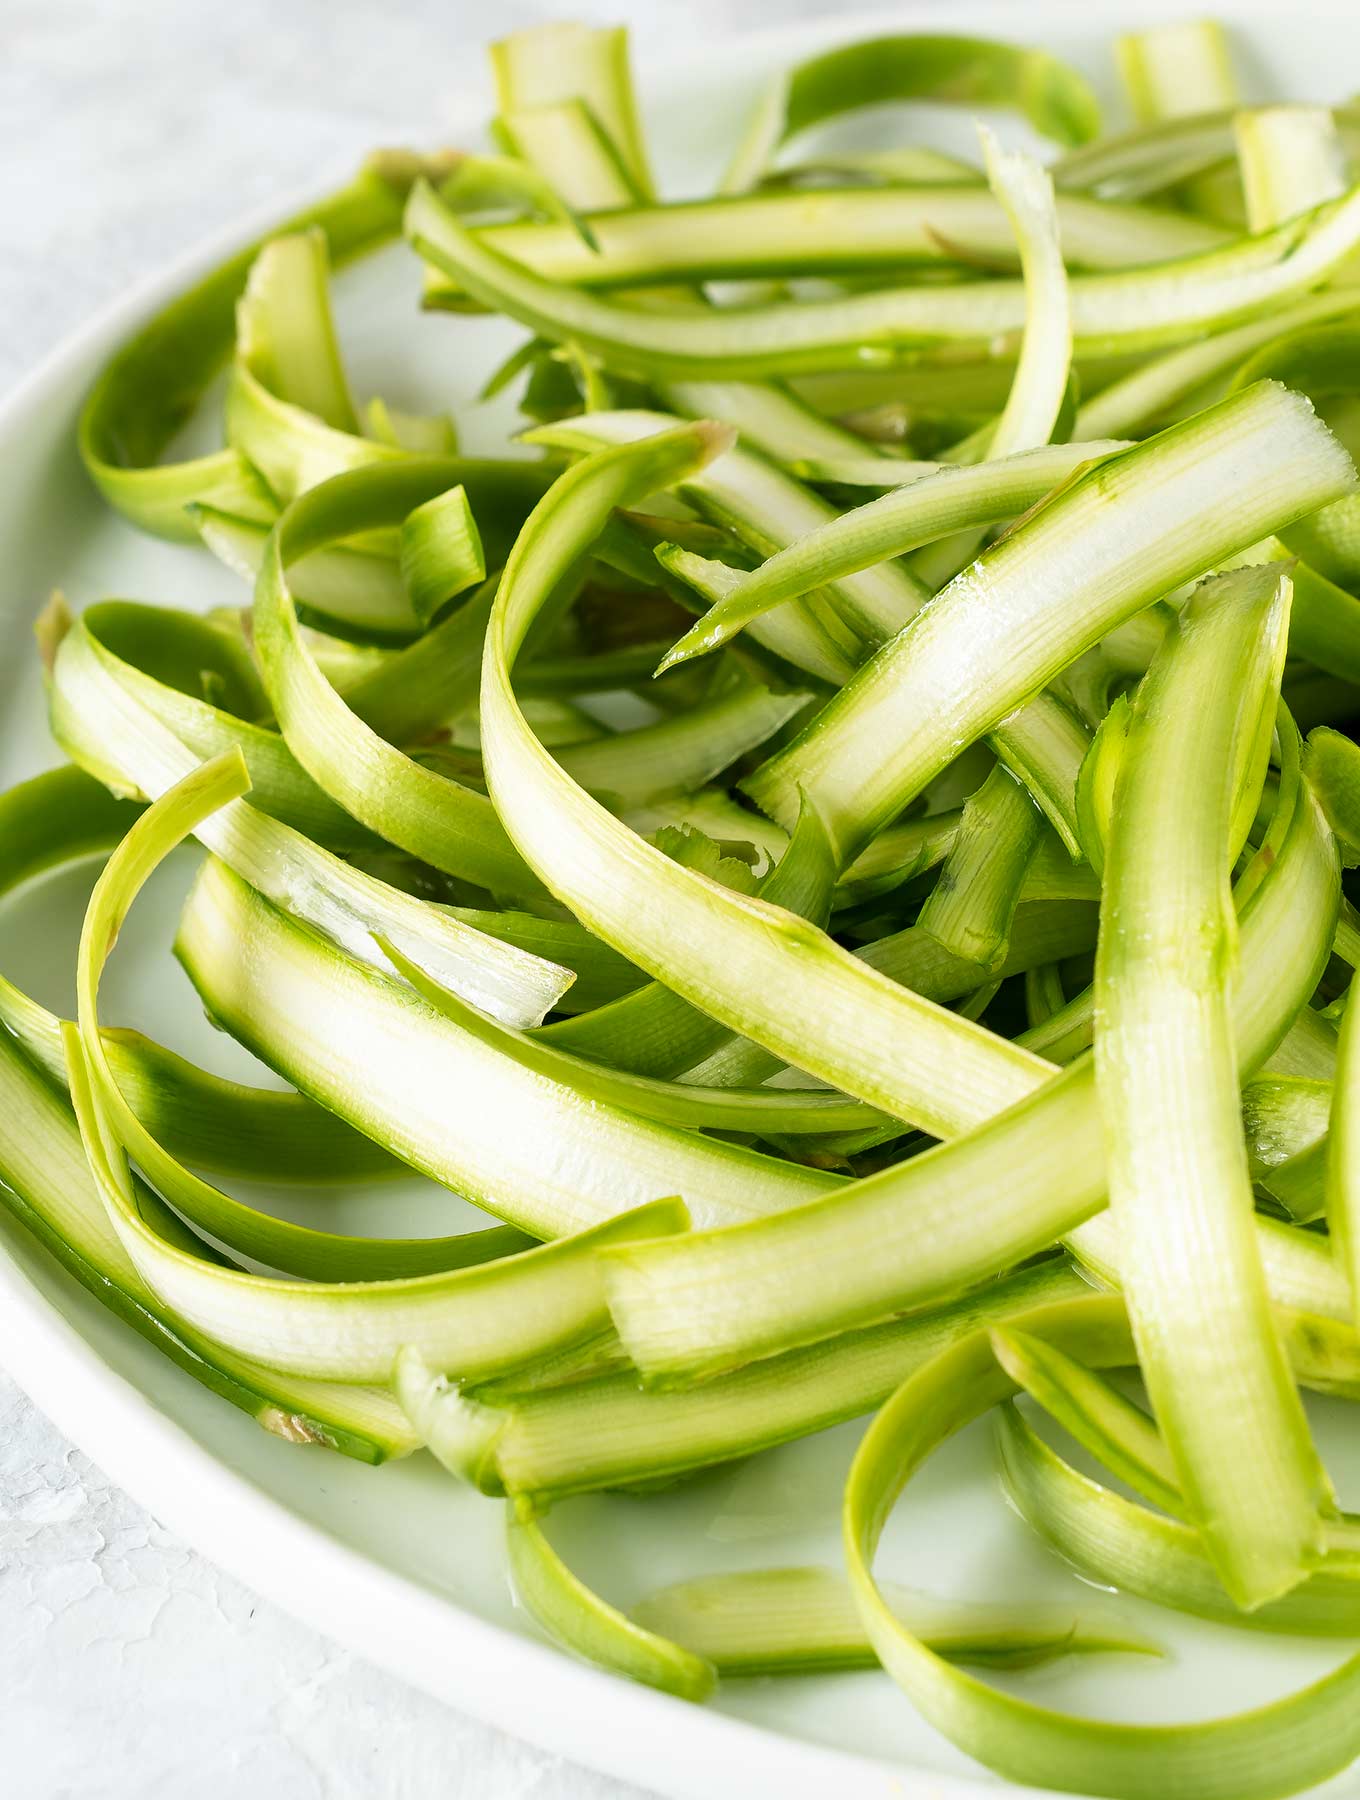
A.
x: 129, y: 130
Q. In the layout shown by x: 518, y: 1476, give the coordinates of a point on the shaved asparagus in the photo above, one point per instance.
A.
x: 814, y: 833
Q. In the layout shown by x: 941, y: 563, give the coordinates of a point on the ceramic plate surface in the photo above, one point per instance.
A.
x: 399, y: 1563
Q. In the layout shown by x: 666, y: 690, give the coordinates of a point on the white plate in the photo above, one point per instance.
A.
x: 399, y: 1563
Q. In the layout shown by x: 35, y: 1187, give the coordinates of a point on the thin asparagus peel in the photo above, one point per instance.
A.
x: 1176, y: 71
x: 964, y: 1210
x: 541, y: 1300
x: 922, y: 511
x: 569, y: 1611
x: 63, y: 817
x: 1115, y: 1541
x: 1340, y: 1167
x: 972, y: 905
x: 101, y: 719
x: 1181, y: 1194
x: 768, y: 510
x: 799, y: 1621
x: 1291, y: 159
x: 536, y: 1153
x: 826, y: 231
x: 149, y: 389
x: 49, y: 1189
x: 1111, y: 542
x: 1114, y: 312
x: 964, y: 70
x: 1270, y: 1751
x: 602, y: 870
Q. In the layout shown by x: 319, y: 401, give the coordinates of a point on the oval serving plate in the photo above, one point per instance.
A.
x: 399, y: 1563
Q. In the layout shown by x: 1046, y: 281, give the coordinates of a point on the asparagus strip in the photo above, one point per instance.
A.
x: 964, y: 1210
x: 1123, y: 311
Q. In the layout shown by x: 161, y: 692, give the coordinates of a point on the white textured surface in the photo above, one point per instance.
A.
x: 128, y: 1665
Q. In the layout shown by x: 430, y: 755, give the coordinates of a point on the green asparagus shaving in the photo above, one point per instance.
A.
x: 1347, y: 946
x: 201, y: 684
x: 654, y: 1032
x: 1271, y: 1751
x: 61, y: 817
x: 577, y: 1617
x: 1341, y: 1168
x: 47, y: 1186
x: 1285, y: 1121
x: 1098, y: 782
x: 1115, y: 1541
x: 285, y: 335
x: 803, y: 1621
x: 1097, y: 1415
x: 771, y: 418
x: 1044, y: 744
x: 350, y: 588
x: 602, y: 975
x: 1179, y: 1185
x: 281, y: 1129
x: 722, y: 951
x: 834, y: 230
x: 681, y: 754
x: 108, y: 728
x: 556, y: 63
x: 1154, y: 157
x: 921, y: 511
x: 288, y: 406
x: 1043, y: 369
x: 498, y: 184
x: 1322, y: 629
x: 1158, y: 388
x: 972, y: 905
x: 432, y: 816
x: 858, y: 470
x: 459, y: 1432
x: 423, y: 434
x: 1291, y: 159
x: 415, y: 691
x: 1112, y: 312
x: 965, y: 1210
x: 542, y: 1445
x: 150, y: 387
x: 277, y: 1323
x: 606, y: 1431
x: 475, y: 1320
x: 291, y: 447
x: 790, y: 1111
x: 535, y: 1153
x: 898, y: 854
x: 903, y: 162
x: 1321, y: 362
x: 1177, y: 70
x: 1107, y: 545
x: 441, y: 552
x: 1333, y: 765
x: 967, y: 71
x: 1092, y: 683
x: 1045, y: 996
x: 1283, y: 1115
x: 767, y: 509
x: 1120, y: 1435
x: 1181, y: 71
x: 1038, y: 742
